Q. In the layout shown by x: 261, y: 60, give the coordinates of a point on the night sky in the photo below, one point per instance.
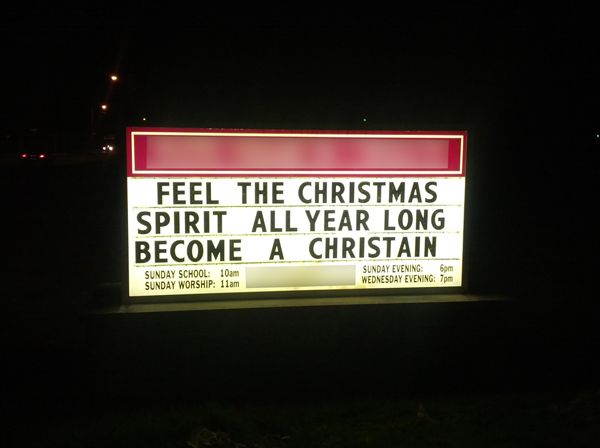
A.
x: 452, y: 66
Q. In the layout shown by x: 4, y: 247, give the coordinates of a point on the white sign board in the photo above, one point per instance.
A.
x: 213, y: 212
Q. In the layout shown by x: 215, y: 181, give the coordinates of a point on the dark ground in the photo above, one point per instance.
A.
x: 533, y: 356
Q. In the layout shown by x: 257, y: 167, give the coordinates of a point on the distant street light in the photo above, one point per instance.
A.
x: 99, y: 112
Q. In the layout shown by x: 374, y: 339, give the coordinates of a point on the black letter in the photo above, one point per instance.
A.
x: 301, y: 193
x: 276, y: 250
x: 161, y: 192
x: 429, y: 189
x: 142, y: 252
x: 143, y: 222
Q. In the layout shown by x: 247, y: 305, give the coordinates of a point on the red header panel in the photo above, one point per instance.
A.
x: 156, y: 152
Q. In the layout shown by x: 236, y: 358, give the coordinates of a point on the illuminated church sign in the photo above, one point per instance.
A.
x: 236, y: 211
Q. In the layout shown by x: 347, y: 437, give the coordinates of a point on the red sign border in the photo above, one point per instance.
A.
x: 457, y: 156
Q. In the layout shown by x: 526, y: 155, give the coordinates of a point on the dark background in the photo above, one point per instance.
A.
x: 522, y: 82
